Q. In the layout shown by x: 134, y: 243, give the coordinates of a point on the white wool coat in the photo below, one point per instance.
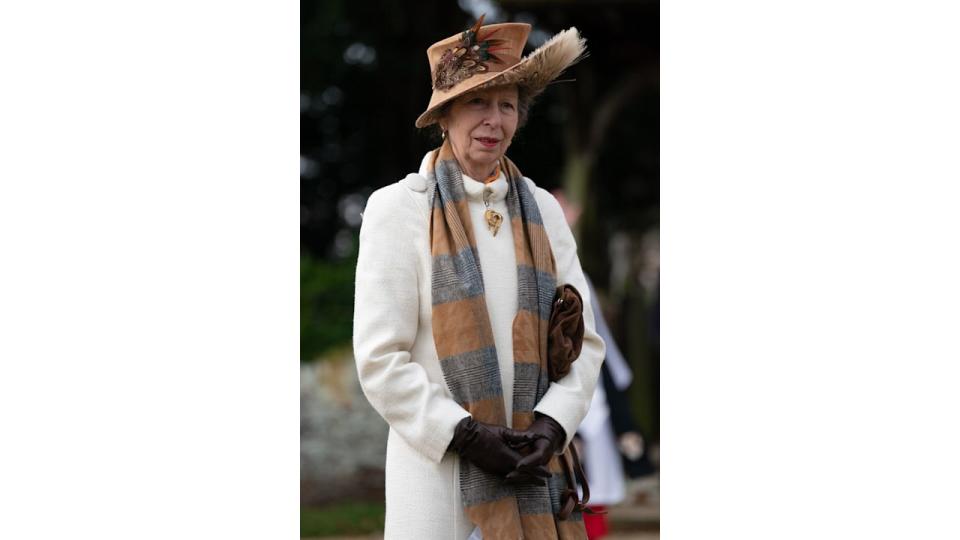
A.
x: 396, y: 357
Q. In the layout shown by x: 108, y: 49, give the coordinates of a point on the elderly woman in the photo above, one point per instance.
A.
x: 456, y: 277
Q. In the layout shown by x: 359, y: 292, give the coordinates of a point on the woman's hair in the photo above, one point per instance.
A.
x: 524, y: 102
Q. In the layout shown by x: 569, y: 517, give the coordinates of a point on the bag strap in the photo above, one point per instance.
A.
x: 570, y: 498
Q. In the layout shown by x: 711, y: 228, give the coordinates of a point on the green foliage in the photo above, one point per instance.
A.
x: 326, y: 305
x: 342, y: 519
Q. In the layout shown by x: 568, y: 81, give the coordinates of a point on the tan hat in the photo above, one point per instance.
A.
x: 485, y: 56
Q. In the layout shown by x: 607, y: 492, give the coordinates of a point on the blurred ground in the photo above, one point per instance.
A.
x: 639, y: 515
x: 637, y: 518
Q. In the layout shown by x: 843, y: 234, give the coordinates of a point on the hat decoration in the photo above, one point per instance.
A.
x: 461, y: 62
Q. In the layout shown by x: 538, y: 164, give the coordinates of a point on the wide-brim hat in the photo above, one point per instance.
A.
x: 486, y: 56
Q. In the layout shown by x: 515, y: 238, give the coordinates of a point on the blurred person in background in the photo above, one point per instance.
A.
x: 608, y: 436
x: 456, y: 275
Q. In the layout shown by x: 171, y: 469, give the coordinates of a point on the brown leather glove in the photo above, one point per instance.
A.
x: 545, y: 437
x: 485, y: 445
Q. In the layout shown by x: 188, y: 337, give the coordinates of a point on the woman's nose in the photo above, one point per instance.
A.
x: 493, y: 119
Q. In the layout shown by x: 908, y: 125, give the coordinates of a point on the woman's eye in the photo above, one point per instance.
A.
x: 476, y: 101
x: 508, y: 106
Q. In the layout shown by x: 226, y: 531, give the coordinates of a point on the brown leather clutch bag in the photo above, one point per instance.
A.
x: 564, y: 342
x: 564, y: 331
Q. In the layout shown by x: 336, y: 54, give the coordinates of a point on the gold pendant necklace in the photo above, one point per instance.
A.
x: 494, y: 219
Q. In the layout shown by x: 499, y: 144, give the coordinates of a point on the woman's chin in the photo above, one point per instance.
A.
x: 487, y: 154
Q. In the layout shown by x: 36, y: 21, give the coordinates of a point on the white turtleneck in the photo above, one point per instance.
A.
x: 498, y: 264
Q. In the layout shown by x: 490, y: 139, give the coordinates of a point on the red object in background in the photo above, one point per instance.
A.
x: 596, y: 524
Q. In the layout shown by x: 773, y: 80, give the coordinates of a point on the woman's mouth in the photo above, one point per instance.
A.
x: 487, y: 142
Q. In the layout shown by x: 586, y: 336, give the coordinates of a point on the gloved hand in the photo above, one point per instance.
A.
x: 544, y: 436
x: 485, y: 445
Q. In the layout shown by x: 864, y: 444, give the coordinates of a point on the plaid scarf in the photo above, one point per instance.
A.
x: 468, y: 356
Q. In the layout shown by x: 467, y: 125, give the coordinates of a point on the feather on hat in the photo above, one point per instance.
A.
x: 486, y: 56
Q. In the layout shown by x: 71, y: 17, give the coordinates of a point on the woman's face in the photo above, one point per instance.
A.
x: 480, y: 126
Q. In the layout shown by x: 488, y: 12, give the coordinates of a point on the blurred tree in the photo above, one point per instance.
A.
x: 364, y: 79
x: 326, y: 305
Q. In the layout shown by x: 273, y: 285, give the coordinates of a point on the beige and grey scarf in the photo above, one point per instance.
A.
x: 468, y: 356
